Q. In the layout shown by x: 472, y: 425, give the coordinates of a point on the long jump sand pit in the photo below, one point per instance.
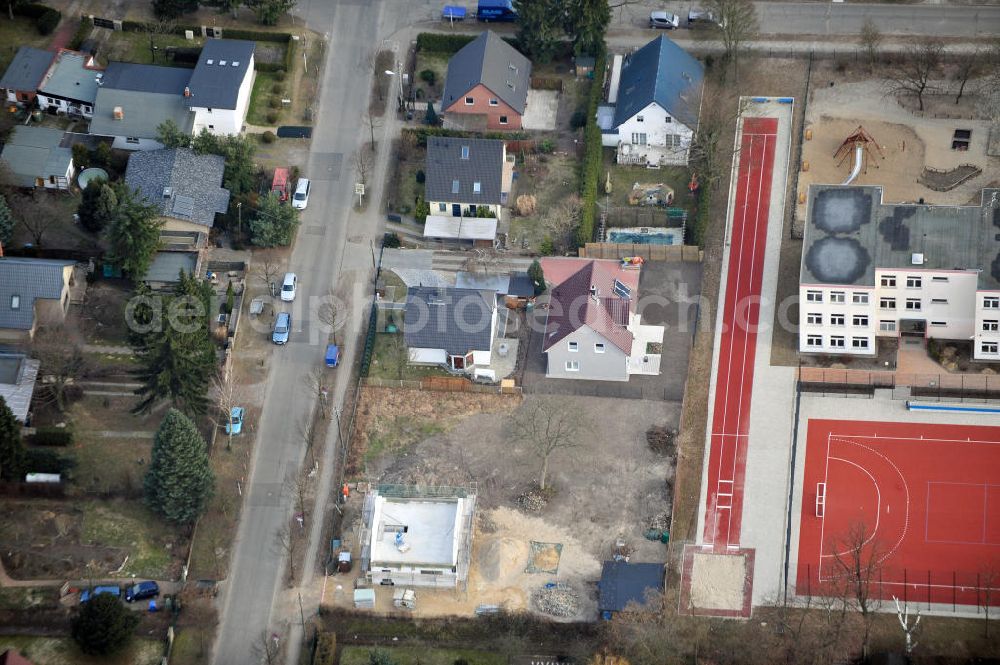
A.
x: 717, y: 584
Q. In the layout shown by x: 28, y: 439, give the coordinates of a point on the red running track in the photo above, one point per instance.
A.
x: 923, y: 499
x: 738, y: 342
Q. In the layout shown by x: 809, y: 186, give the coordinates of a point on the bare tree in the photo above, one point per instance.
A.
x: 38, y: 214
x: 561, y: 223
x: 371, y: 121
x: 329, y: 314
x: 155, y: 29
x: 267, y: 271
x: 712, y: 147
x: 287, y: 545
x: 989, y: 577
x: 920, y: 64
x: 307, y: 432
x: 298, y: 489
x: 737, y: 20
x: 858, y: 562
x: 546, y: 427
x: 909, y: 630
x: 315, y: 382
x: 62, y: 362
x: 363, y: 162
x: 266, y: 646
x: 228, y: 397
x: 871, y: 40
x: 398, y: 354
x: 969, y: 67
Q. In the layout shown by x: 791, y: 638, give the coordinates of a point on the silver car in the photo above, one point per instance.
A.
x: 664, y: 20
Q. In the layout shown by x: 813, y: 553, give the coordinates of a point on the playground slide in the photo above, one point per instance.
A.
x: 859, y: 160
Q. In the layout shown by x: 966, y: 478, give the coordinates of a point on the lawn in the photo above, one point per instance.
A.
x: 63, y: 651
x: 19, y: 32
x: 260, y: 98
x: 405, y: 189
x: 131, y: 526
x: 437, y: 63
x: 386, y: 358
x: 110, y: 466
x: 124, y: 46
x: 422, y: 656
x: 623, y: 177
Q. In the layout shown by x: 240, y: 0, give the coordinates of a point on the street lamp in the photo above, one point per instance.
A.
x: 399, y: 76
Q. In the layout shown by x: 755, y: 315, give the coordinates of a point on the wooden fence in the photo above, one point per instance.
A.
x: 959, y: 386
x: 451, y: 384
x: 611, y: 250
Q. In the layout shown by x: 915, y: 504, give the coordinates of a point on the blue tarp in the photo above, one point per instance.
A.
x: 452, y: 12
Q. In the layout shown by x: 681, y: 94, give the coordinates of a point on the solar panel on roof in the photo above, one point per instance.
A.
x: 183, y: 206
x: 622, y: 291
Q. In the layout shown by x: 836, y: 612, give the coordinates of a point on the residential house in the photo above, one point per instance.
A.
x: 465, y: 175
x: 70, y: 85
x: 625, y: 584
x: 13, y: 657
x: 593, y: 329
x: 654, y: 100
x: 417, y: 536
x: 17, y: 382
x: 516, y: 288
x: 33, y: 292
x: 219, y: 90
x: 36, y: 158
x: 487, y: 85
x: 873, y: 270
x: 185, y: 186
x: 134, y: 100
x: 24, y: 74
x: 452, y: 328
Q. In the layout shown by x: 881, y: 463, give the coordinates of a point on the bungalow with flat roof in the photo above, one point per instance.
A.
x: 21, y: 79
x: 36, y: 158
x: 185, y: 186
x: 219, y: 90
x: 486, y: 87
x: 33, y: 292
x: 70, y: 85
x: 134, y: 100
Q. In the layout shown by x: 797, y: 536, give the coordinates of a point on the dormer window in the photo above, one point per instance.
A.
x: 454, y: 187
x: 15, y: 302
x: 465, y: 152
x: 210, y: 62
x: 477, y: 187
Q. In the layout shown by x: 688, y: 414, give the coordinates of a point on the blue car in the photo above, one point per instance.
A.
x: 235, y: 424
x: 141, y: 591
x: 87, y: 594
x: 282, y: 328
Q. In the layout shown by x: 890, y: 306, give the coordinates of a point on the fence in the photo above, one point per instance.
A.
x: 612, y: 250
x: 451, y: 384
x: 956, y: 387
x: 546, y: 83
x: 618, y: 217
x: 949, y: 178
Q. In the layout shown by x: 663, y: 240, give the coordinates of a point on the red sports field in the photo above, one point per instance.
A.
x: 926, y: 497
x: 734, y: 384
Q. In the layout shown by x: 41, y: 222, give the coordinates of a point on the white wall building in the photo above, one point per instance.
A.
x: 70, y: 85
x: 873, y: 270
x: 219, y: 91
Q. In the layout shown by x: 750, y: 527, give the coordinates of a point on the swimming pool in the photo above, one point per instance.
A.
x: 645, y: 235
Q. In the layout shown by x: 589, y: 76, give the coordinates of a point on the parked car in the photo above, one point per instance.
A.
x: 288, y: 286
x: 279, y: 184
x: 142, y: 591
x: 664, y: 20
x: 87, y: 594
x: 301, y: 197
x: 496, y: 10
x: 702, y: 16
x: 235, y: 424
x: 282, y: 328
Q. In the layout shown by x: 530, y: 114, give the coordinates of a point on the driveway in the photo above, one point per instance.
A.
x: 541, y: 110
x: 668, y: 296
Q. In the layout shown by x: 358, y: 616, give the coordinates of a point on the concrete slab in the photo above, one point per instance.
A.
x: 540, y: 111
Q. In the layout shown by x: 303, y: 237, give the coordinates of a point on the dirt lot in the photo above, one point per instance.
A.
x: 610, y: 486
x: 550, y: 179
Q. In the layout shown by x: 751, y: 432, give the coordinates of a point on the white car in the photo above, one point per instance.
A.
x: 288, y: 287
x: 664, y: 20
x: 301, y: 197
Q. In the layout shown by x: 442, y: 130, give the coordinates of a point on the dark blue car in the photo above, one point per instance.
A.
x: 141, y: 591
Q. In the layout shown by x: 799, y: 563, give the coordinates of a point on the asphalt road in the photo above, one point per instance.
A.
x: 258, y: 568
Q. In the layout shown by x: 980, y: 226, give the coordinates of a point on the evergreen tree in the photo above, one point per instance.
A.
x: 586, y: 23
x: 180, y: 481
x: 7, y: 221
x: 537, y: 277
x: 178, y: 359
x: 174, y: 8
x: 171, y: 136
x: 269, y: 12
x: 539, y: 28
x: 431, y: 116
x: 12, y: 453
x: 239, y: 174
x: 273, y: 224
x: 103, y: 625
x: 97, y: 205
x: 134, y: 233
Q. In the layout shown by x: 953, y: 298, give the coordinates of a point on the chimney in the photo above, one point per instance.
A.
x: 593, y: 292
x: 118, y: 113
x: 187, y: 91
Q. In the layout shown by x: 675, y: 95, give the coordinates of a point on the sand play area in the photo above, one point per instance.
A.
x: 909, y: 142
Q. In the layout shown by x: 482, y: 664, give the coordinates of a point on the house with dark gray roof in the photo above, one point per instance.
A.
x: 463, y: 175
x: 70, y: 85
x: 654, y: 100
x: 33, y: 292
x: 624, y: 585
x: 487, y: 85
x: 21, y: 79
x: 449, y: 327
x: 36, y: 158
x: 185, y: 186
x: 219, y: 90
x: 134, y: 100
x: 17, y: 382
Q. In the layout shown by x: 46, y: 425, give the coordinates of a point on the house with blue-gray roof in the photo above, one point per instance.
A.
x: 654, y: 100
x: 33, y: 292
x: 70, y: 85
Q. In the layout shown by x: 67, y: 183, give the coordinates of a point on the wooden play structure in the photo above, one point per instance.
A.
x: 861, y: 144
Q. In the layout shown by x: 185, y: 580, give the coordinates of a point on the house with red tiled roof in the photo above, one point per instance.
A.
x: 593, y: 329
x: 13, y: 657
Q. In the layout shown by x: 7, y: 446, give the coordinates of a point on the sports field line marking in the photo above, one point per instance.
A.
x: 878, y: 503
x: 986, y: 505
x: 921, y: 439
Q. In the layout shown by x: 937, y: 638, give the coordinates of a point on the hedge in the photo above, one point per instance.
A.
x: 43, y: 460
x: 256, y: 35
x: 46, y: 18
x: 590, y: 172
x: 697, y: 230
x: 285, y: 66
x: 82, y: 32
x: 326, y: 649
x: 52, y: 436
x: 448, y: 44
x: 423, y: 132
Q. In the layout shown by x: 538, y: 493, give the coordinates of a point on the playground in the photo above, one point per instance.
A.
x: 914, y: 506
x: 938, y: 156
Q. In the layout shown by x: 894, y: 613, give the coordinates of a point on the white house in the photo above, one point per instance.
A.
x: 70, y: 85
x: 417, y: 536
x: 654, y: 100
x: 451, y: 328
x: 219, y: 90
x: 872, y: 270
